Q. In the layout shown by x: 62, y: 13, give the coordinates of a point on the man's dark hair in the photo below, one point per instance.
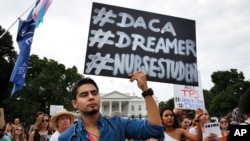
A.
x: 80, y: 82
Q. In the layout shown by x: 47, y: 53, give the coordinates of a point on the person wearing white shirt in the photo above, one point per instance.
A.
x: 61, y: 120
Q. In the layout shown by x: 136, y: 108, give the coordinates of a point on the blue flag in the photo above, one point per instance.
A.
x: 26, y: 30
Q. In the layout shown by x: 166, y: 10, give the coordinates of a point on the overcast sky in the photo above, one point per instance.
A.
x: 222, y: 35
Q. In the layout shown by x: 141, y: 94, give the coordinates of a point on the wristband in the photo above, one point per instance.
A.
x: 197, y: 120
x: 148, y: 92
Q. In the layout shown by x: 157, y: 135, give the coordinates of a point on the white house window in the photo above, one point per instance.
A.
x: 132, y: 107
x: 139, y: 107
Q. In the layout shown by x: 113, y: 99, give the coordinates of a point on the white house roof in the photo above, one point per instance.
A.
x: 115, y: 94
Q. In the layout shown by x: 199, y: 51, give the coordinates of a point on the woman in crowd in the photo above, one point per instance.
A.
x: 8, y: 129
x: 203, y: 120
x: 18, y: 134
x: 192, y: 124
x: 41, y: 133
x: 184, y: 122
x: 173, y: 132
x: 224, y: 127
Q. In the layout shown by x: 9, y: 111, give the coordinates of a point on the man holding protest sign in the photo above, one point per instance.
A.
x: 91, y: 125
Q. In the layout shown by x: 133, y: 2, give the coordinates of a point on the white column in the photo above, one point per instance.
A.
x: 110, y: 108
x: 120, y: 105
x: 128, y: 108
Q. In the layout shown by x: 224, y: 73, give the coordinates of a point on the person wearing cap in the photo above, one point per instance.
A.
x: 62, y: 121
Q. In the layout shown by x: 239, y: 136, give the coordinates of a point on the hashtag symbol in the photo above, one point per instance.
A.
x: 99, y: 63
x: 177, y: 99
x: 180, y: 105
x: 103, y: 16
x: 101, y: 38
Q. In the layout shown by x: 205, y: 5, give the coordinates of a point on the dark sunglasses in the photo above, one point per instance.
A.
x: 223, y: 121
x: 45, y: 120
x: 19, y: 129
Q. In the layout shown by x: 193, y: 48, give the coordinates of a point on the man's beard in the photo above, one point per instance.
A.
x: 91, y: 113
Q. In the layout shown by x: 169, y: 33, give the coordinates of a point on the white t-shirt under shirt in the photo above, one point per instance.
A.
x: 55, y: 136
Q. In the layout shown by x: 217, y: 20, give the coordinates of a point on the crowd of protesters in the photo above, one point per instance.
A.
x: 45, y: 128
x: 177, y: 126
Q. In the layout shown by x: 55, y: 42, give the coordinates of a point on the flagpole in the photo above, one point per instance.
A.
x: 17, y: 20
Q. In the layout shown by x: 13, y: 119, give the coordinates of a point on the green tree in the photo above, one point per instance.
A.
x: 167, y: 104
x: 226, y: 92
x: 207, y: 97
x: 47, y: 83
x: 223, y: 97
x: 7, y: 60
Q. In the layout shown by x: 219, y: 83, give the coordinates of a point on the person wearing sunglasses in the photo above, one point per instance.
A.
x: 224, y: 127
x: 32, y: 127
x: 42, y: 132
x: 18, y: 134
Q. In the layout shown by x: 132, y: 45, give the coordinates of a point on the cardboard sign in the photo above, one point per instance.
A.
x: 122, y: 41
x: 2, y: 120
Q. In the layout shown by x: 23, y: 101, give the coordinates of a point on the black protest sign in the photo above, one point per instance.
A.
x: 123, y: 40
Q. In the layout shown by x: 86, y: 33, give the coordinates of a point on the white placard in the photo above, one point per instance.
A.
x: 55, y: 108
x: 189, y: 97
x: 212, y: 127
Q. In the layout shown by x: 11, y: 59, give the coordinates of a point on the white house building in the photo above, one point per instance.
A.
x: 129, y: 106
